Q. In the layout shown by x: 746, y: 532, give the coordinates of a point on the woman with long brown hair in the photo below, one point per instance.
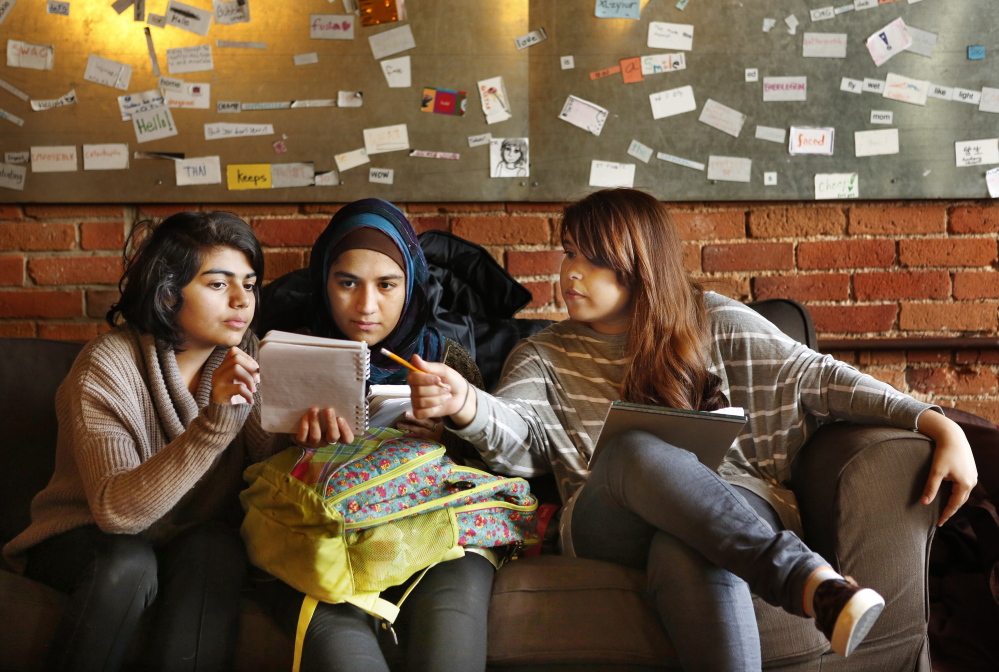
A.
x: 641, y: 330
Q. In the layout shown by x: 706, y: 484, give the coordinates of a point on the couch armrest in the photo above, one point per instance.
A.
x: 858, y: 489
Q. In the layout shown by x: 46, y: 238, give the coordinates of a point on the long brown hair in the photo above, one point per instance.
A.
x: 633, y: 234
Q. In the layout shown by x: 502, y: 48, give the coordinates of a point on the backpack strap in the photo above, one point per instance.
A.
x: 309, y: 605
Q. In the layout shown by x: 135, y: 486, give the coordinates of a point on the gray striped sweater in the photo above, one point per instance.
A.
x: 557, y: 386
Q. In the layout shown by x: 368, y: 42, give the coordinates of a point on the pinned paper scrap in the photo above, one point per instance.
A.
x: 609, y: 174
x: 239, y: 44
x: 240, y: 176
x: 771, y: 134
x: 889, y: 41
x: 495, y: 104
x: 990, y: 100
x: 315, y: 102
x: 153, y: 124
x: 811, y: 140
x: 671, y: 36
x: 105, y: 157
x: 331, y: 27
x: 509, y: 157
x: 330, y: 178
x: 305, y: 59
x: 285, y: 175
x: 273, y: 105
x: 231, y: 12
x: 531, y: 38
x: 583, y: 114
x: 12, y: 176
x: 68, y: 99
x: 375, y: 12
x: 5, y: 7
x: 967, y: 96
x: 785, y: 89
x: 567, y: 62
x: 770, y: 177
x: 153, y: 61
x: 200, y: 170
x: 874, y: 85
x: 641, y: 152
x: 824, y: 45
x: 107, y: 72
x: 189, y: 59
x: 10, y: 88
x: 768, y: 25
x: 430, y: 154
x: 222, y: 129
x: 836, y: 186
x: 631, y: 70
x: 17, y: 157
x: 992, y: 181
x: 11, y: 117
x: 56, y: 7
x: 843, y: 9
x: 730, y: 168
x: 479, y: 140
x: 381, y: 175
x: 443, y: 101
x: 186, y: 17
x: 752, y: 74
x: 672, y: 102
x: 139, y: 102
x: 397, y: 72
x: 653, y: 64
x: 851, y: 85
x: 686, y: 163
x: 882, y: 116
x: 386, y: 139
x: 860, y: 5
x: 976, y: 52
x: 822, y: 13
x: 279, y: 146
x: 352, y: 159
x: 30, y: 56
x: 724, y: 118
x: 606, y: 72
x: 228, y: 107
x: 983, y: 152
x: 156, y: 20
x: 618, y: 9
x: 792, y: 23
x: 923, y: 42
x: 392, y: 42
x: 55, y: 159
x: 906, y: 90
x: 171, y: 84
x: 196, y: 95
x: 349, y: 99
x: 875, y: 143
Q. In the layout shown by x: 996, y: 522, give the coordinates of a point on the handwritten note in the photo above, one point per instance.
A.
x: 530, y: 39
x: 822, y: 13
x: 724, y: 118
x: 107, y: 72
x: 609, y: 174
x: 875, y: 143
x: 228, y: 107
x: 105, y: 157
x: 248, y: 176
x: 923, y: 42
x: 230, y: 12
x: 56, y: 7
x: 567, y: 62
x: 905, y: 89
x: 56, y: 159
x: 67, y: 99
x: 220, y: 130
x: 654, y: 64
x: 349, y: 99
x: 398, y: 72
x: 836, y: 186
x: 386, y: 139
x: 771, y: 134
x: 392, y: 42
x: 5, y: 7
x: 31, y: 56
x: 785, y: 89
x: 17, y: 157
x: 199, y: 170
x: 680, y: 161
x: 189, y: 59
x: 641, y: 152
x: 811, y: 140
x: 495, y: 104
x: 729, y: 168
x: 583, y: 114
x: 331, y: 27
x: 891, y: 40
x: 12, y: 176
x: 352, y: 159
x: 671, y: 36
x: 824, y: 45
x: 672, y: 102
x: 618, y: 9
x: 977, y: 152
x: 479, y: 140
x: 153, y: 124
x: 381, y: 175
x: 990, y: 100
x: 284, y: 175
x: 196, y: 95
x: 188, y: 18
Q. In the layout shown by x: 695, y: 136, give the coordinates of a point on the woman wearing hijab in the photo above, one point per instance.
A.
x: 368, y: 277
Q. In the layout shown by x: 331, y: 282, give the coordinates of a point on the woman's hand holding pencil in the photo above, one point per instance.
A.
x: 438, y: 391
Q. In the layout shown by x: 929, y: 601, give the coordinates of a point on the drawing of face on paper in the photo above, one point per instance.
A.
x: 509, y: 157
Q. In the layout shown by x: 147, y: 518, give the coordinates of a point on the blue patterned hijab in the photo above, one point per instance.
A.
x: 411, y: 334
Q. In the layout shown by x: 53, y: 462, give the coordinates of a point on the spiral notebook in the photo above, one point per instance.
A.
x: 707, y: 435
x: 298, y: 372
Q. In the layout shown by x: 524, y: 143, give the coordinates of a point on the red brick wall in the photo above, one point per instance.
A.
x: 863, y: 269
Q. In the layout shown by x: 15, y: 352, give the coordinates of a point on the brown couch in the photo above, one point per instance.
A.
x: 857, y: 487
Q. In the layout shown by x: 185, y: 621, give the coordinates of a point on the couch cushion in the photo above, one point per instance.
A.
x: 551, y: 611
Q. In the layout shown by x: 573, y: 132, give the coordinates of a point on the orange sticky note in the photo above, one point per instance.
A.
x: 631, y: 70
x: 374, y: 12
x: 606, y: 72
x: 248, y: 176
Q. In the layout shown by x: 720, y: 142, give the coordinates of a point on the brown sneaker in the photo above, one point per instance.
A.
x: 845, y: 613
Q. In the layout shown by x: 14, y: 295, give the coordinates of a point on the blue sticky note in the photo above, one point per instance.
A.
x: 976, y: 52
x: 618, y: 9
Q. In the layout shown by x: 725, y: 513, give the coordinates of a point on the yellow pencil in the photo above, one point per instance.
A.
x: 397, y: 358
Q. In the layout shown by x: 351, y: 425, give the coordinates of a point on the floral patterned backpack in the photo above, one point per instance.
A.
x: 346, y: 521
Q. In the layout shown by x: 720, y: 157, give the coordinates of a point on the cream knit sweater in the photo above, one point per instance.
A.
x: 136, y: 452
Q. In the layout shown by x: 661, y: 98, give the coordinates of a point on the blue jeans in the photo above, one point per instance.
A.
x: 653, y: 506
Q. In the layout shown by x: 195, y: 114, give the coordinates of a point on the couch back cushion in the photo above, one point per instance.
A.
x: 31, y: 370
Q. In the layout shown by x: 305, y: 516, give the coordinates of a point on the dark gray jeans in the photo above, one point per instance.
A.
x: 702, y: 542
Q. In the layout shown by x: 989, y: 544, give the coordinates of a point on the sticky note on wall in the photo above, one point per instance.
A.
x: 240, y: 176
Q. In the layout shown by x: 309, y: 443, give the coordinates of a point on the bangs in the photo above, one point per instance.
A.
x: 602, y: 236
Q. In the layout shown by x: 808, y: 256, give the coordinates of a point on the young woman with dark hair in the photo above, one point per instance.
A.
x: 157, y: 420
x: 641, y: 330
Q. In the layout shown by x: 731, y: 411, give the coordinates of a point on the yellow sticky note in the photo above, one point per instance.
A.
x: 248, y: 176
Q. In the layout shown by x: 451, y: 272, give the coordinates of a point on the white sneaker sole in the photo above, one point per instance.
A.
x: 856, y: 620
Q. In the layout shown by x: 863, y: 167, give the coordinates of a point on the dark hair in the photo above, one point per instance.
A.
x: 633, y: 234
x: 160, y: 260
